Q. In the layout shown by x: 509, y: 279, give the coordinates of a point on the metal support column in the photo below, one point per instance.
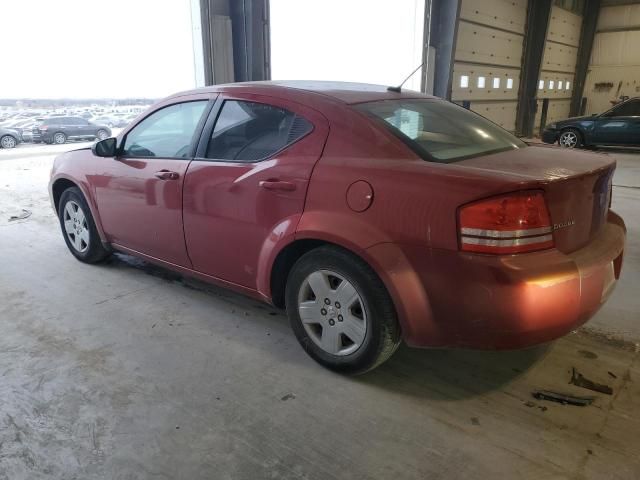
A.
x: 538, y: 12
x: 442, y: 38
x: 250, y: 21
x: 589, y: 22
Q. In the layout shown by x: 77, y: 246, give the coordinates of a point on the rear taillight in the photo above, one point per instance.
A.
x: 514, y: 223
x: 42, y: 127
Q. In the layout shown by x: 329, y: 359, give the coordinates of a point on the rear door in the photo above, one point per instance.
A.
x: 247, y: 185
x: 140, y: 192
x: 620, y: 125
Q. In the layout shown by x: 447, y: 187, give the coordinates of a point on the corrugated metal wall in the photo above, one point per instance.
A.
x: 614, y: 69
x: 488, y: 58
x: 558, y: 64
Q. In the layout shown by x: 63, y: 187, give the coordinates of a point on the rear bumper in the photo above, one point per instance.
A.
x: 454, y: 299
x: 549, y: 136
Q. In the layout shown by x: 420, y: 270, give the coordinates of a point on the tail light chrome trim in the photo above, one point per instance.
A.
x: 511, y: 242
x: 478, y: 232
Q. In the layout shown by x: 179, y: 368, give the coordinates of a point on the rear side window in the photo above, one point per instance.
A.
x: 166, y: 132
x: 441, y: 131
x: 249, y: 131
x: 628, y: 109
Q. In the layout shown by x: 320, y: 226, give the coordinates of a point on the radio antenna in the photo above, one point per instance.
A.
x: 398, y: 89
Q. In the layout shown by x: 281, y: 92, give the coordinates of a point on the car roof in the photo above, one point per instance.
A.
x: 345, y: 92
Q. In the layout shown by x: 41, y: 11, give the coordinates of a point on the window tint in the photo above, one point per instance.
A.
x: 166, y: 132
x: 248, y: 131
x: 77, y: 121
x: 441, y: 131
x: 628, y: 109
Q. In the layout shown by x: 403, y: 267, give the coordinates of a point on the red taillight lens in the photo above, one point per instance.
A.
x: 513, y: 223
x: 42, y: 127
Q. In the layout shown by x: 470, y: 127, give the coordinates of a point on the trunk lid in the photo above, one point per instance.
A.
x: 577, y: 186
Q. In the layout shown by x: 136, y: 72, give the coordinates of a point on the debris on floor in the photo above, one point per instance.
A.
x: 562, y: 398
x: 581, y: 381
x: 21, y: 216
x: 588, y: 354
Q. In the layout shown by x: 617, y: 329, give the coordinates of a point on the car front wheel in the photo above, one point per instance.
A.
x: 8, y: 142
x: 78, y: 227
x: 340, y: 311
x: 570, y: 138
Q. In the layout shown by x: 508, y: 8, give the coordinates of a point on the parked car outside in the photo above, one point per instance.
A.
x: 619, y: 126
x: 9, y: 137
x: 60, y: 129
x: 371, y: 216
x: 104, y: 120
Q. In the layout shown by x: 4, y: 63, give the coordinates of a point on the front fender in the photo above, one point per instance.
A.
x: 85, y: 187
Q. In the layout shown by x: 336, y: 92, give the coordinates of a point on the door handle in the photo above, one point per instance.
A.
x: 167, y: 175
x: 277, y: 185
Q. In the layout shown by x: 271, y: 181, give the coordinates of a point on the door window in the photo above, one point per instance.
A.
x: 627, y: 109
x: 249, y: 131
x: 165, y: 133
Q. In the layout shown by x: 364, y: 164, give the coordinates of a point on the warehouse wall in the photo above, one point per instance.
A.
x: 488, y: 57
x: 558, y: 64
x: 614, y: 69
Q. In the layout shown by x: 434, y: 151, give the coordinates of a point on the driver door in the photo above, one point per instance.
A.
x: 139, y: 195
x: 620, y: 125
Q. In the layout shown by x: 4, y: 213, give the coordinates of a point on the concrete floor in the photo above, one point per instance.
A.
x: 126, y: 371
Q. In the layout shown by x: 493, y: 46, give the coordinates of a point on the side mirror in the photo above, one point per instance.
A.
x: 105, y: 148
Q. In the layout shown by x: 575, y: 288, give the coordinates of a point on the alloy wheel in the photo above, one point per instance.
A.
x: 102, y: 135
x: 76, y: 226
x: 568, y: 140
x: 332, y: 312
x: 8, y: 142
x: 59, y: 138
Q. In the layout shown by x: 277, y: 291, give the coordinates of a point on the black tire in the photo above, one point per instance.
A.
x: 59, y: 138
x: 382, y: 336
x: 568, y: 132
x: 8, y: 141
x: 95, y: 251
x: 104, y: 133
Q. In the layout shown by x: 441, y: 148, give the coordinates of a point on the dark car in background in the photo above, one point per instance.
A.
x: 9, y: 137
x: 60, y: 129
x: 618, y: 126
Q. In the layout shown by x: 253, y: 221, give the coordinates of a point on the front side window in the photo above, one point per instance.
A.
x: 166, y: 132
x: 441, y: 131
x: 250, y: 131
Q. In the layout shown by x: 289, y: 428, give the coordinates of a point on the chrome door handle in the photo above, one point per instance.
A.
x: 277, y: 185
x: 167, y: 175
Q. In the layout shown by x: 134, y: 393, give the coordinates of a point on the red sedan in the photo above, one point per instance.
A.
x: 370, y: 215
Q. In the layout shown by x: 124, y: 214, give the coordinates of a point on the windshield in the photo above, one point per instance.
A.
x: 441, y: 131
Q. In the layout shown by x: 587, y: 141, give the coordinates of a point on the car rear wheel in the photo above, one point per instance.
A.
x: 340, y: 311
x: 8, y: 142
x: 78, y: 227
x: 59, y: 138
x: 102, y: 134
x: 570, y: 138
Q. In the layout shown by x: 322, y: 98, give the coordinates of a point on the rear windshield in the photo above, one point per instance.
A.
x: 441, y: 131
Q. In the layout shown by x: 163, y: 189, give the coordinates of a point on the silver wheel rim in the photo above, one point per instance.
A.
x: 58, y: 138
x: 332, y: 312
x: 76, y: 226
x: 8, y: 142
x: 102, y: 135
x: 568, y: 139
